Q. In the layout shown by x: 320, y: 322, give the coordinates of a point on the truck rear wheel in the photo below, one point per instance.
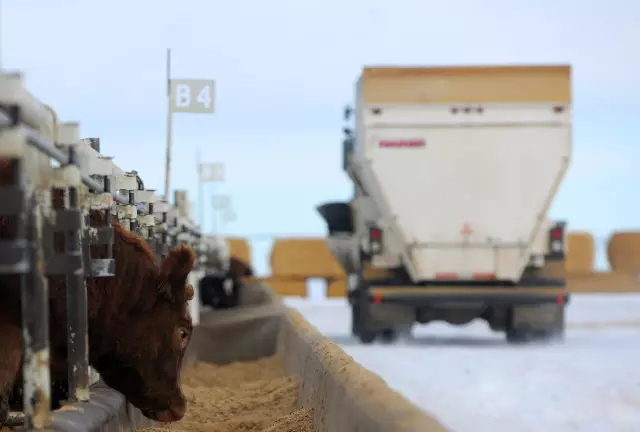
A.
x: 518, y: 336
x: 389, y: 335
x: 361, y: 328
x: 367, y: 337
x: 535, y: 324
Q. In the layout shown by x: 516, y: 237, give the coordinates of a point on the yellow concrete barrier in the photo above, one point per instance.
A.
x: 603, y: 282
x: 304, y: 258
x: 580, y: 252
x: 287, y: 287
x: 337, y: 288
x: 623, y: 252
x: 240, y: 249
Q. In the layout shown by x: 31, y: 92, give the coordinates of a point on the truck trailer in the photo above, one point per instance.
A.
x: 454, y: 171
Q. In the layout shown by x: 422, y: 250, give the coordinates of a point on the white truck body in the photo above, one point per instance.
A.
x: 459, y: 166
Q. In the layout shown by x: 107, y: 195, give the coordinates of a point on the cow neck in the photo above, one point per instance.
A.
x: 131, y: 291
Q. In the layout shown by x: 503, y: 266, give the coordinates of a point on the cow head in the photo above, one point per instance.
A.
x: 144, y: 361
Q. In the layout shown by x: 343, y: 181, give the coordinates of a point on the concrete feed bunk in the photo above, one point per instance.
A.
x: 338, y: 393
x: 292, y: 379
x: 242, y: 396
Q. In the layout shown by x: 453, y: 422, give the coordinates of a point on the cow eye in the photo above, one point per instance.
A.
x: 184, y: 337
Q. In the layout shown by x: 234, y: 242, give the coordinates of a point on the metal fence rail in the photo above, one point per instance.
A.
x: 51, y: 211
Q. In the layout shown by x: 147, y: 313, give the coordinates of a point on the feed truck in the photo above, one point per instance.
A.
x: 454, y: 170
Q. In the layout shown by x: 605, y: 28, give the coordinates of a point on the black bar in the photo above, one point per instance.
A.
x: 35, y: 324
x: 107, y: 223
x: 11, y: 199
x: 538, y: 282
x: 14, y: 256
x: 77, y: 319
x: 62, y: 264
x: 100, y: 235
x: 461, y: 299
x: 133, y: 223
x: 5, y: 119
x: 164, y: 237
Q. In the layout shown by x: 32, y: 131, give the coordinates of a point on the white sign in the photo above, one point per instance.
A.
x: 212, y: 172
x: 192, y: 95
x: 221, y: 202
x: 228, y: 216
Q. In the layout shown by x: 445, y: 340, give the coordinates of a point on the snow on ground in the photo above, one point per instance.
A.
x: 471, y: 380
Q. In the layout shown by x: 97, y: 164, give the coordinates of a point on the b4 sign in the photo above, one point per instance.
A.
x: 192, y: 95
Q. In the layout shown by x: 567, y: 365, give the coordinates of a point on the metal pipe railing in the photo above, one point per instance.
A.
x: 32, y: 254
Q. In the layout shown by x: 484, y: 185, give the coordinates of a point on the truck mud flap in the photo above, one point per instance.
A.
x: 538, y: 317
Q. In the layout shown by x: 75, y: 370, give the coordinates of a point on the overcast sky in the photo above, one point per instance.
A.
x: 283, y: 71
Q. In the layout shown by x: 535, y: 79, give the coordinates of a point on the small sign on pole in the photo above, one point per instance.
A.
x: 192, y: 95
x: 228, y: 216
x: 187, y: 96
x: 212, y: 172
x: 221, y: 202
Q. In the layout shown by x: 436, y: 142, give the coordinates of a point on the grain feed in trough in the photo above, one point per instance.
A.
x: 242, y: 396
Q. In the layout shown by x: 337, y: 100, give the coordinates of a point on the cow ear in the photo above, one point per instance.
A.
x: 188, y: 292
x: 174, y: 269
x: 164, y: 291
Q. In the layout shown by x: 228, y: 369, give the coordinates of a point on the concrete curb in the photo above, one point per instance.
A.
x: 344, y: 395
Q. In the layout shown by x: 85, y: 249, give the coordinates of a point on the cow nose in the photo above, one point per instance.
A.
x: 175, y: 412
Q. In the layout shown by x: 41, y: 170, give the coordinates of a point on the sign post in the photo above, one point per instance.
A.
x: 207, y: 173
x: 194, y: 96
x: 222, y: 205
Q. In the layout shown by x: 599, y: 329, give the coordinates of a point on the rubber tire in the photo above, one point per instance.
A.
x: 355, y: 325
x: 389, y: 336
x: 524, y: 336
x: 367, y: 337
x: 514, y: 336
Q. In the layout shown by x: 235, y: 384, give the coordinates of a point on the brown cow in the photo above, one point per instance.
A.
x: 10, y: 347
x: 139, y: 326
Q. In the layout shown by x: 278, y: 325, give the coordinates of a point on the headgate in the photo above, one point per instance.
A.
x: 58, y: 198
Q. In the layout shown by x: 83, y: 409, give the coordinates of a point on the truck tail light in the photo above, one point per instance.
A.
x: 556, y: 239
x: 375, y: 240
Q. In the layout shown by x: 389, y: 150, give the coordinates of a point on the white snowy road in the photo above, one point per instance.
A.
x: 471, y: 380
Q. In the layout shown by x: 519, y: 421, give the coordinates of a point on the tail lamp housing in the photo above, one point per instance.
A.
x: 557, y: 240
x: 375, y: 240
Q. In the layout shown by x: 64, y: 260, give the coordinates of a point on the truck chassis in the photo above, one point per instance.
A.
x: 532, y: 310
